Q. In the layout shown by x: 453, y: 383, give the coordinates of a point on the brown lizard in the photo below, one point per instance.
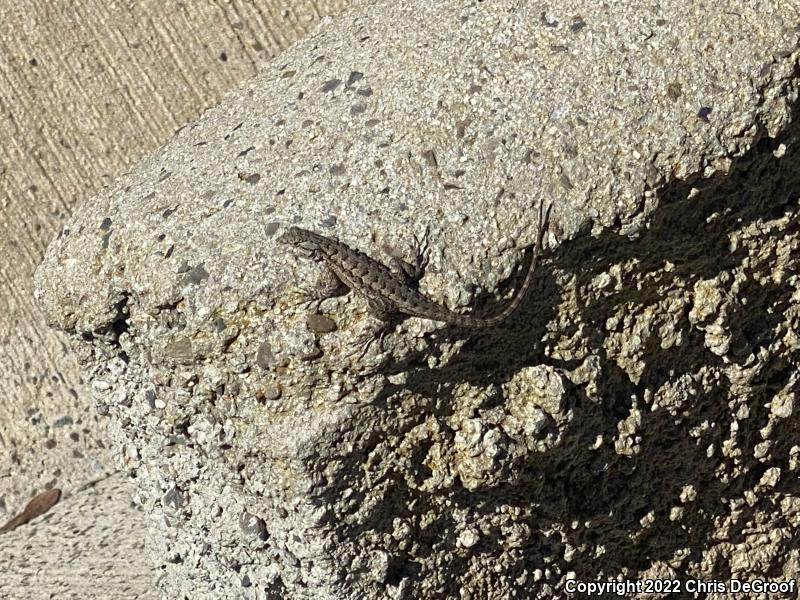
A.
x: 390, y: 293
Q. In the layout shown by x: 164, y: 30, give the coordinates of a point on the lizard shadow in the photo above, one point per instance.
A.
x: 659, y: 491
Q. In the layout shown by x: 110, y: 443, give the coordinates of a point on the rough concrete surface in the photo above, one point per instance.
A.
x: 635, y: 419
x: 86, y: 89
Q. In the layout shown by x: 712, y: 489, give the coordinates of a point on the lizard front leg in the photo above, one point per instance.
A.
x: 328, y: 285
x: 386, y: 312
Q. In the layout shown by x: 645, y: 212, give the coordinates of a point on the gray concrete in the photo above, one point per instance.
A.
x: 629, y: 421
x: 87, y: 89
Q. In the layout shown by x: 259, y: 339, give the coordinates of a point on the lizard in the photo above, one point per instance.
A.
x: 390, y: 293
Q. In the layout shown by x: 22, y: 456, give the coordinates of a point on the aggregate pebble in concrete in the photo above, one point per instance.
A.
x: 635, y: 412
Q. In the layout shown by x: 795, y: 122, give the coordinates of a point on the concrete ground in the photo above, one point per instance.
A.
x: 87, y: 88
x: 634, y: 420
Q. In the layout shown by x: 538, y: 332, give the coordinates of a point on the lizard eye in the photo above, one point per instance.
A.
x: 308, y: 250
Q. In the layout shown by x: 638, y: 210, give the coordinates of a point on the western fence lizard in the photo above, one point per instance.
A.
x: 391, y: 293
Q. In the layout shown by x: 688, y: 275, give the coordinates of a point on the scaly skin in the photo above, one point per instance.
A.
x: 391, y: 293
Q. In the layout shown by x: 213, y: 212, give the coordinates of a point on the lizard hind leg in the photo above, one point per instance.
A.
x: 421, y: 251
x: 413, y: 272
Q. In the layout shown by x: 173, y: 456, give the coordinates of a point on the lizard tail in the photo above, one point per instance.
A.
x: 470, y: 321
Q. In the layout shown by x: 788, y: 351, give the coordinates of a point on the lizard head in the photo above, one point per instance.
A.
x: 292, y: 236
x: 302, y: 239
